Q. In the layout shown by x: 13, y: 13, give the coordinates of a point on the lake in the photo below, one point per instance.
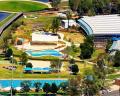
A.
x: 3, y: 15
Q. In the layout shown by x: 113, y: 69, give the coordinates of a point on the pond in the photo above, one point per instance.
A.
x: 3, y: 15
x: 16, y: 83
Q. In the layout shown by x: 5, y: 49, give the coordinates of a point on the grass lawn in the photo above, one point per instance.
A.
x: 24, y: 6
x: 74, y: 37
x: 113, y: 76
x: 82, y: 67
x: 96, y: 53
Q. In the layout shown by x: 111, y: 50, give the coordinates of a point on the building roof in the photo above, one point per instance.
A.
x: 70, y: 21
x: 101, y: 24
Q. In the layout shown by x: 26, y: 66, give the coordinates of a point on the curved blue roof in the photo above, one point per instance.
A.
x: 85, y: 26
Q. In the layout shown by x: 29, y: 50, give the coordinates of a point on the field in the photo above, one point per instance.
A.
x: 21, y: 6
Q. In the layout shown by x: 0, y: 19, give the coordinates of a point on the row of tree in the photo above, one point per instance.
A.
x: 92, y: 7
x: 47, y: 88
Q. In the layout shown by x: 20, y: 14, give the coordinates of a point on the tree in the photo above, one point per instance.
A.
x: 74, y: 69
x: 69, y: 15
x: 37, y: 86
x: 46, y: 88
x: 86, y: 51
x: 74, y: 87
x: 55, y: 24
x: 14, y: 91
x: 9, y: 53
x: 109, y: 44
x: 87, y: 48
x: 74, y: 4
x: 29, y: 65
x: 100, y: 71
x: 24, y: 58
x: 54, y: 88
x: 64, y: 85
x: 91, y: 85
x: 55, y: 3
x: 25, y: 85
x: 5, y: 43
x: 56, y: 64
x: 117, y: 59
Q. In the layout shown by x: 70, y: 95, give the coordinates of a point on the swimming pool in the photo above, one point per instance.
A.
x: 16, y: 83
x: 43, y: 0
x: 3, y: 15
x: 43, y: 53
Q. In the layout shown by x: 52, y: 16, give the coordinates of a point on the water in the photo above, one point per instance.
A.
x: 44, y: 53
x: 16, y: 83
x: 43, y: 0
x: 3, y: 15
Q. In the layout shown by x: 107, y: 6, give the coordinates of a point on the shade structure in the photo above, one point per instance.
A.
x: 45, y: 69
x: 27, y: 69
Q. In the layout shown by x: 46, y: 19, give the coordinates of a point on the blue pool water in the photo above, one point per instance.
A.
x: 3, y: 15
x: 43, y: 53
x: 43, y: 0
x: 16, y: 83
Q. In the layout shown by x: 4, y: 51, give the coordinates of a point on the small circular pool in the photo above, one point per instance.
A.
x: 43, y: 53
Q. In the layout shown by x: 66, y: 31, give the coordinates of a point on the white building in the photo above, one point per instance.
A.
x: 44, y: 37
x: 65, y: 23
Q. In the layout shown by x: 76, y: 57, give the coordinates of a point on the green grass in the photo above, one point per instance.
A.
x: 96, y: 53
x: 113, y: 76
x: 6, y: 74
x: 18, y: 6
x: 6, y: 19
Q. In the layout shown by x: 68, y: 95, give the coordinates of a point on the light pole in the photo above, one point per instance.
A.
x: 11, y: 75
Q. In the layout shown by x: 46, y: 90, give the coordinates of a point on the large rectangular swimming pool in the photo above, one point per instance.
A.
x: 43, y: 53
x: 16, y: 83
x: 3, y: 15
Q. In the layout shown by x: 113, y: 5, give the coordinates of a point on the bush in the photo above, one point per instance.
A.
x: 29, y: 65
